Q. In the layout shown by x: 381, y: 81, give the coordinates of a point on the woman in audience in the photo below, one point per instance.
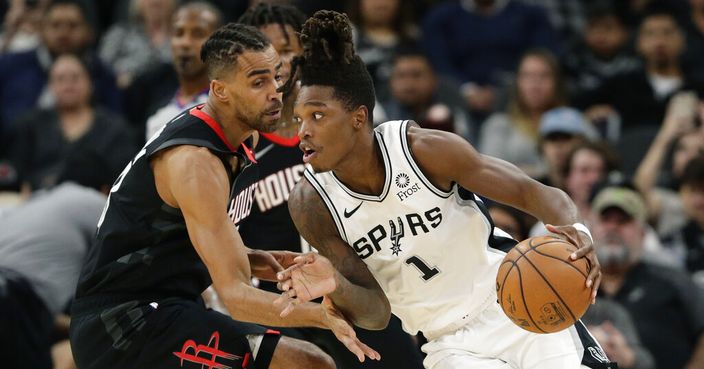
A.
x: 46, y: 137
x: 513, y: 135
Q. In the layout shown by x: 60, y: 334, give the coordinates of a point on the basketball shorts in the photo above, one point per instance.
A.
x: 174, y: 333
x: 491, y: 341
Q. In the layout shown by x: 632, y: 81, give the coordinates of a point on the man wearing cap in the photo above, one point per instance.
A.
x: 666, y: 306
x: 561, y: 130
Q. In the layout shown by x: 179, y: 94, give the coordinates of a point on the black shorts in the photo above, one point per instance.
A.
x: 174, y: 333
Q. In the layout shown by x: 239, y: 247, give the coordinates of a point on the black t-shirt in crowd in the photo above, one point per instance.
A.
x: 667, y: 309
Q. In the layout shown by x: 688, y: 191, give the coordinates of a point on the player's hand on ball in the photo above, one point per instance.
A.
x: 312, y: 276
x: 585, y: 249
x: 344, y: 332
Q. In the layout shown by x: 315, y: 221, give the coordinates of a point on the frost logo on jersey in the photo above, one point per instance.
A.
x: 403, y: 182
x: 396, y: 236
x: 241, y: 205
x: 276, y: 187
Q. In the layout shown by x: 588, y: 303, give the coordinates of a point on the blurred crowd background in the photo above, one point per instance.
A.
x: 602, y: 99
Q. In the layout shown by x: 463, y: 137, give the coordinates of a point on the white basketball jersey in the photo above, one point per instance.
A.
x: 427, y: 248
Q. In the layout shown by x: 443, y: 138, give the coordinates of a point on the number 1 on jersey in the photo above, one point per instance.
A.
x: 426, y: 271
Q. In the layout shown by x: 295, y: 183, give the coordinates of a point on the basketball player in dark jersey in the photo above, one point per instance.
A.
x: 280, y: 166
x: 167, y: 232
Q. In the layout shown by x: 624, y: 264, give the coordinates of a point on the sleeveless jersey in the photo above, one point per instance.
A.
x: 280, y: 166
x: 427, y: 248
x: 142, y: 248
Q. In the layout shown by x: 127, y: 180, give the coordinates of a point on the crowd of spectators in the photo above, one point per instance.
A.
x: 601, y: 98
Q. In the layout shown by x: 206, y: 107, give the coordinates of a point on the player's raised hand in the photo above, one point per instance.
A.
x: 312, y: 276
x: 344, y: 332
x: 585, y: 248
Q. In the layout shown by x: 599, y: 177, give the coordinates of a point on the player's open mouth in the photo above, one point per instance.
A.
x: 308, y: 152
x: 275, y: 114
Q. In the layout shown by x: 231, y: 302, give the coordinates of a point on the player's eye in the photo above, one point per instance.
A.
x: 317, y: 115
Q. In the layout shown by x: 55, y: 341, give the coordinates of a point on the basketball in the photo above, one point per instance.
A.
x: 539, y: 288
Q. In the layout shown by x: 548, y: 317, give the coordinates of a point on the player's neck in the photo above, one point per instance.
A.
x: 235, y: 130
x: 363, y: 170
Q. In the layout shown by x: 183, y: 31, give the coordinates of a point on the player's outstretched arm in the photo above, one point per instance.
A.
x: 336, y: 272
x: 446, y: 158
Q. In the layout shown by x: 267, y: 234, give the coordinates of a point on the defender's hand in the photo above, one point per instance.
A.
x: 585, y: 248
x: 311, y: 277
x: 344, y: 332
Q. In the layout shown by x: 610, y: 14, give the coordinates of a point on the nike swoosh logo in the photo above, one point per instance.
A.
x: 263, y: 151
x: 349, y: 214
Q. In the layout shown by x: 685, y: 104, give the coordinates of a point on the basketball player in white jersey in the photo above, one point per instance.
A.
x: 393, y: 214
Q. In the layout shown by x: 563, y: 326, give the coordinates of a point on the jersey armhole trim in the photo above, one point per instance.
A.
x: 328, y: 203
x: 403, y: 132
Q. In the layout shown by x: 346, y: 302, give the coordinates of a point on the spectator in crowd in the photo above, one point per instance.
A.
x: 20, y: 31
x: 192, y: 24
x: 561, y: 130
x: 658, y: 175
x: 417, y: 94
x: 612, y: 326
x: 640, y: 98
x: 23, y: 76
x: 587, y: 164
x: 513, y: 136
x: 381, y: 26
x: 46, y: 137
x: 688, y: 241
x: 42, y: 246
x: 131, y: 47
x: 477, y: 42
x: 602, y: 52
x: 667, y: 308
x: 693, y: 57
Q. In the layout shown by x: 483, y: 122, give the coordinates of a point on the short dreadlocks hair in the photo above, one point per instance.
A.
x: 329, y: 59
x: 223, y: 47
x: 284, y: 15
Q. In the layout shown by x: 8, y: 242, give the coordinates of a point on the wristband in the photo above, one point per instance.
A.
x: 582, y: 228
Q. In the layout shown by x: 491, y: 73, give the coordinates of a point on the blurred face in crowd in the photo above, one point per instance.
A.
x: 692, y: 195
x: 536, y: 83
x: 556, y: 148
x: 618, y: 238
x: 379, y: 12
x: 660, y: 41
x: 154, y: 9
x: 413, y: 81
x: 507, y: 222
x: 286, y: 44
x: 687, y: 147
x: 191, y: 28
x: 65, y: 30
x: 70, y: 83
x: 605, y: 36
x: 586, y: 169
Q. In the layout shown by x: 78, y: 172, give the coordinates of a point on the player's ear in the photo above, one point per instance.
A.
x: 359, y: 116
x: 217, y: 88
